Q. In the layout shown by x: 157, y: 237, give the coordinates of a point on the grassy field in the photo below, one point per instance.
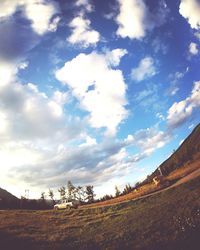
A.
x: 151, y: 187
x: 167, y: 220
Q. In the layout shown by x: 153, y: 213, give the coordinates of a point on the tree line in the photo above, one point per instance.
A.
x: 84, y: 194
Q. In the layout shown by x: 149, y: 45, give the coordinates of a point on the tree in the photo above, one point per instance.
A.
x: 62, y: 192
x: 51, y: 195
x: 42, y: 196
x: 127, y: 189
x: 89, y: 193
x: 42, y: 201
x: 71, y: 191
x: 106, y: 197
x: 117, y: 192
x: 80, y: 193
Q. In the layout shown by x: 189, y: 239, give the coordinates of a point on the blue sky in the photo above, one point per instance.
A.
x: 96, y: 92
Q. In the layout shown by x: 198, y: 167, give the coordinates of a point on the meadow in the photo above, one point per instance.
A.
x: 165, y: 220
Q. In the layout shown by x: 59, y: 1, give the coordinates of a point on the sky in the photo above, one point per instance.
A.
x: 96, y: 92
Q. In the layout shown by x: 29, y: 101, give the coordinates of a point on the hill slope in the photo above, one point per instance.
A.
x: 5, y: 195
x: 188, y: 151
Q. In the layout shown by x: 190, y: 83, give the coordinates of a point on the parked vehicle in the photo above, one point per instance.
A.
x: 66, y: 204
x: 160, y: 181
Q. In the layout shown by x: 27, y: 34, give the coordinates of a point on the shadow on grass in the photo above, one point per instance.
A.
x: 8, y: 242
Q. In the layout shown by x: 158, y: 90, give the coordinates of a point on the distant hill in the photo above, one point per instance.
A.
x: 188, y: 151
x: 6, y: 196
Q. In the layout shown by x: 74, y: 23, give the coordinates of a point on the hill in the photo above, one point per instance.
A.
x: 188, y: 152
x: 5, y: 195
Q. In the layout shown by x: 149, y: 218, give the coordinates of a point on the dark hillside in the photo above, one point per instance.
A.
x: 188, y: 151
x: 5, y: 195
x: 7, y: 200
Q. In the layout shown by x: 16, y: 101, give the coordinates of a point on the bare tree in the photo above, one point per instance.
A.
x: 62, y: 192
x: 90, y: 193
x: 51, y: 195
x: 42, y: 196
x: 71, y: 193
x: 80, y: 193
x: 117, y: 192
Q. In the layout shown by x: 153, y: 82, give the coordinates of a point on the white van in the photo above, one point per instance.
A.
x: 63, y: 204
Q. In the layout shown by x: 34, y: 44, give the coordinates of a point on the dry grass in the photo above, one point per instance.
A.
x: 151, y: 188
x: 184, y: 170
x: 167, y: 220
x: 145, y: 189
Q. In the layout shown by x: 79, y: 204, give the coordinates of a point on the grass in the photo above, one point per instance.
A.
x: 167, y: 220
x: 186, y: 169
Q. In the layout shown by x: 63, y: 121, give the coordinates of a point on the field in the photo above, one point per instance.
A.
x: 165, y: 220
x: 180, y: 175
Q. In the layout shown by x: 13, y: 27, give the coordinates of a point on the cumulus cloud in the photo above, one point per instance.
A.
x: 114, y: 56
x: 90, y: 162
x: 151, y: 139
x: 29, y: 114
x: 7, y: 72
x: 197, y: 35
x: 17, y: 36
x: 40, y: 15
x: 84, y: 4
x: 32, y: 125
x: 145, y: 69
x: 98, y: 87
x: 82, y: 33
x: 190, y: 10
x: 135, y: 18
x: 179, y: 112
x: 38, y: 12
x: 8, y: 8
x: 193, y: 49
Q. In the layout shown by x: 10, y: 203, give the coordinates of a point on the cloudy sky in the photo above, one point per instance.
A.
x: 96, y: 92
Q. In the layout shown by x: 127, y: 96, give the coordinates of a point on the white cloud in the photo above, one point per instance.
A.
x: 32, y: 126
x: 82, y: 33
x: 150, y: 139
x: 30, y: 115
x: 197, y: 35
x: 39, y: 12
x: 135, y: 19
x: 84, y: 4
x: 193, y: 49
x: 91, y: 162
x: 190, y: 9
x: 179, y: 112
x: 54, y: 24
x: 114, y: 56
x: 7, y: 72
x: 8, y: 7
x: 99, y: 88
x: 23, y: 65
x: 175, y: 79
x: 145, y: 69
x: 131, y: 19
